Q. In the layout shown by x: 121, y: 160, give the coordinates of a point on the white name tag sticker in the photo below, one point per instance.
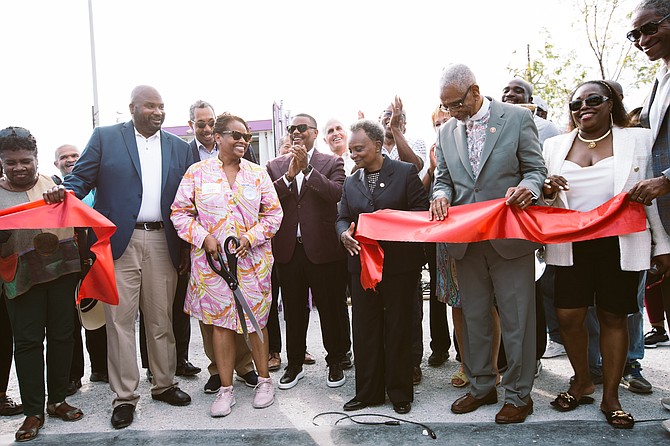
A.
x: 211, y: 188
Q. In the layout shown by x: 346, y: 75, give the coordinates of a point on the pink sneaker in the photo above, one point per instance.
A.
x: 265, y: 393
x: 223, y: 403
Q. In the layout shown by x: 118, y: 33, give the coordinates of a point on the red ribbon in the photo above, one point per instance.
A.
x: 100, y: 282
x: 490, y: 220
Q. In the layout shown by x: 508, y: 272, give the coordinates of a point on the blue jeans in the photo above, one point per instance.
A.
x: 635, y: 333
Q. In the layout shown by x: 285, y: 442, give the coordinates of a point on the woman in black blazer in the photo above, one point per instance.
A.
x: 381, y: 319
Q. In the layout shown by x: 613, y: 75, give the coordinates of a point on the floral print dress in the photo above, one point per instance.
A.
x: 206, y: 204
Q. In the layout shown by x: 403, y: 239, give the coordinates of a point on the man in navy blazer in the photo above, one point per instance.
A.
x: 136, y: 168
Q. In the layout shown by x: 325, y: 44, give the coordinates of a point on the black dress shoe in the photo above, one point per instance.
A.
x: 174, y: 397
x: 187, y: 369
x: 122, y: 416
x: 437, y: 358
x: 354, y: 404
x: 402, y: 408
x: 99, y: 377
x: 72, y: 387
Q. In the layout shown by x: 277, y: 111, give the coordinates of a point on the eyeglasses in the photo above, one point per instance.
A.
x: 302, y: 128
x: 648, y: 29
x: 238, y: 135
x: 203, y: 124
x: 591, y: 101
x: 456, y: 105
x: 17, y: 132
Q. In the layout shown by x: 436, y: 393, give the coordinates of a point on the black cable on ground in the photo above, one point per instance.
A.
x: 390, y: 421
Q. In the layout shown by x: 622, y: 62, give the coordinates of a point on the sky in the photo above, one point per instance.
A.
x: 325, y: 58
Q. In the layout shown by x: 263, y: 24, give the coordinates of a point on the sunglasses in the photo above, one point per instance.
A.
x: 591, y: 101
x: 238, y: 135
x: 203, y: 124
x: 17, y: 132
x: 302, y: 128
x: 648, y: 29
x: 455, y: 105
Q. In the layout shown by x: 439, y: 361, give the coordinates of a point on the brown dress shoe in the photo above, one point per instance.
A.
x: 469, y: 403
x: 514, y: 414
x: 274, y: 362
x: 309, y: 359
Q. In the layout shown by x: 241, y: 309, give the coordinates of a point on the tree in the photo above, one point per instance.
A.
x: 552, y: 74
x: 604, y: 24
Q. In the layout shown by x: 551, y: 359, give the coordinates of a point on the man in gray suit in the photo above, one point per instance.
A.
x: 489, y: 151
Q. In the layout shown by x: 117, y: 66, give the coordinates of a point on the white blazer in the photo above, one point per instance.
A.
x: 632, y: 163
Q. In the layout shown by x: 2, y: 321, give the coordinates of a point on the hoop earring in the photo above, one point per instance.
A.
x: 611, y: 120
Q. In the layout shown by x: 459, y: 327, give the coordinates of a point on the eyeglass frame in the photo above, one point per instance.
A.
x: 581, y: 102
x: 449, y: 108
x: 247, y: 136
x: 293, y: 128
x: 630, y: 35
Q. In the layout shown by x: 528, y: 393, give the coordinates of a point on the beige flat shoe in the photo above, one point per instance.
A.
x: 459, y: 379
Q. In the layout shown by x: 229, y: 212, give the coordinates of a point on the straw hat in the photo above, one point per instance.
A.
x: 91, y: 312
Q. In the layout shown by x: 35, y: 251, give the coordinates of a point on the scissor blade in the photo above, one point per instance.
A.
x: 239, y: 297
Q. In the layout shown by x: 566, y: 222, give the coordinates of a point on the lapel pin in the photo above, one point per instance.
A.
x: 381, y: 185
x: 492, y: 130
x: 635, y: 169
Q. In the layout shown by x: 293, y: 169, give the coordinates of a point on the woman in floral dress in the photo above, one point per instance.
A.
x: 217, y: 198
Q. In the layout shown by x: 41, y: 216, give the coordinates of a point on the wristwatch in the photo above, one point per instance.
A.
x: 306, y: 171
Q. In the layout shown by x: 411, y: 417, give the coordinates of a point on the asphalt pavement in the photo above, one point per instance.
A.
x: 300, y: 415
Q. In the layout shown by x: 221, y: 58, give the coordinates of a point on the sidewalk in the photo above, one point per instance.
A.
x: 289, y: 420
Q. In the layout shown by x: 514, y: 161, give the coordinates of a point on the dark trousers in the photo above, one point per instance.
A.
x: 344, y: 311
x: 382, y: 327
x: 96, y: 345
x: 274, y: 331
x: 417, y: 325
x: 328, y: 283
x: 46, y: 307
x: 6, y: 346
x: 181, y: 325
x: 439, y: 325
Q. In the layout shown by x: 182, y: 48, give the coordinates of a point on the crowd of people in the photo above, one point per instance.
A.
x: 204, y: 231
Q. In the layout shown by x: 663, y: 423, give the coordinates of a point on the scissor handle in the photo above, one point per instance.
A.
x: 231, y: 241
x: 225, y: 273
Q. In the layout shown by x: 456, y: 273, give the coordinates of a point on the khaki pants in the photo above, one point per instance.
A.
x: 243, y: 359
x: 146, y: 279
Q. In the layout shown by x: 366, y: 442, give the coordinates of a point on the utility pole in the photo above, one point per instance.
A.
x: 95, y: 110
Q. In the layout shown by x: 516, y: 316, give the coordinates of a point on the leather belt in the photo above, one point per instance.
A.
x: 298, y: 239
x: 150, y: 226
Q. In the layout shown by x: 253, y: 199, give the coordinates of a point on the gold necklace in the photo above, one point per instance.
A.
x: 592, y: 142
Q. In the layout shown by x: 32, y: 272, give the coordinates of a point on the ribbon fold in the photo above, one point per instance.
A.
x: 490, y: 220
x: 100, y: 282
